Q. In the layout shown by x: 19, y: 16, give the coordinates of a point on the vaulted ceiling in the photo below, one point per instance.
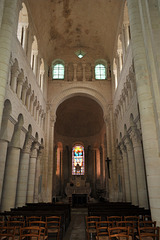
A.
x: 63, y: 26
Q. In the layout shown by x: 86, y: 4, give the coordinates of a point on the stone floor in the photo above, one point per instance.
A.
x: 76, y: 229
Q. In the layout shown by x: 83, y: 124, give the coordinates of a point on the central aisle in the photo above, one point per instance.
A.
x: 76, y: 229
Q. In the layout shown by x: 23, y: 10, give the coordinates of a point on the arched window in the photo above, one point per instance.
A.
x: 22, y: 26
x: 101, y: 70
x: 58, y: 70
x: 78, y: 160
x: 41, y: 74
x: 34, y: 53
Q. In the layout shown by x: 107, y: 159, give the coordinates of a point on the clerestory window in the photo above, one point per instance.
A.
x: 58, y: 71
x: 100, y: 71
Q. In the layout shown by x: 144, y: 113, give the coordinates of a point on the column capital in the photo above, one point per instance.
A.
x: 135, y: 136
x: 27, y: 146
x: 127, y: 142
x: 34, y: 149
x: 122, y: 148
x: 53, y: 120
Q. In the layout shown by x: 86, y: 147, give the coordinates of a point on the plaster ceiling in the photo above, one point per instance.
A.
x: 65, y: 25
x: 79, y: 117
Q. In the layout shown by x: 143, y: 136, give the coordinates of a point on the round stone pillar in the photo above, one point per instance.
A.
x: 50, y: 160
x: 32, y: 173
x: 132, y: 171
x: 140, y: 171
x: 10, y: 180
x: 23, y: 173
x: 126, y: 172
x: 3, y: 147
x: 7, y: 25
x: 38, y: 174
x: 146, y: 99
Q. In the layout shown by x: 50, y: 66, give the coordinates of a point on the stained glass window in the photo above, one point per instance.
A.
x: 58, y: 71
x: 78, y: 160
x: 100, y: 71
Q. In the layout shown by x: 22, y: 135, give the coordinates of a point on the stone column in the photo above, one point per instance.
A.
x: 113, y: 158
x: 108, y: 139
x: 6, y: 33
x: 148, y: 112
x: 38, y: 174
x: 19, y: 88
x: 32, y: 172
x: 66, y: 72
x: 84, y: 71
x: 132, y: 170
x: 75, y: 72
x: 24, y: 92
x: 50, y: 160
x: 3, y: 147
x: 140, y: 171
x: 93, y: 72
x: 23, y: 172
x: 120, y: 175
x: 11, y: 168
x: 126, y: 172
x: 1, y: 10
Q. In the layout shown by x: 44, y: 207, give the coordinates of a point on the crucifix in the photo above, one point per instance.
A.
x: 108, y: 161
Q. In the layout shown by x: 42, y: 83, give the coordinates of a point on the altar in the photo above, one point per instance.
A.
x: 78, y: 190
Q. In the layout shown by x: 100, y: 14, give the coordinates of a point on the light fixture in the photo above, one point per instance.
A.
x: 80, y: 53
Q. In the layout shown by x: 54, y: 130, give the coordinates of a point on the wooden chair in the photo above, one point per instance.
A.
x: 102, y: 233
x: 119, y: 233
x: 17, y: 225
x: 16, y: 218
x: 32, y: 218
x: 149, y: 233
x: 147, y: 224
x: 131, y: 218
x: 131, y: 225
x: 114, y: 219
x: 104, y: 224
x: 31, y: 233
x: 7, y: 233
x: 91, y: 225
x: 53, y: 226
x: 43, y: 227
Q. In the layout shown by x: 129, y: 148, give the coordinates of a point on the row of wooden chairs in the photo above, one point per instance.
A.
x: 47, y: 228
x: 129, y: 218
x: 95, y: 226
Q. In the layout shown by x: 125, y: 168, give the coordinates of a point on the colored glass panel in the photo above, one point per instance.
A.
x: 78, y: 160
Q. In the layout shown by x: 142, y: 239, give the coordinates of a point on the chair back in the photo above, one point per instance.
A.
x: 30, y: 232
x: 149, y: 233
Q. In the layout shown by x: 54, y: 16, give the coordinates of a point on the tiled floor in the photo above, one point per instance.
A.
x: 76, y: 229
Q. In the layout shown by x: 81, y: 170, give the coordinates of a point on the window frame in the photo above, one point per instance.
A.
x: 59, y: 75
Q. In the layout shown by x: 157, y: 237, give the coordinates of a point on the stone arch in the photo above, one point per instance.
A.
x: 79, y: 91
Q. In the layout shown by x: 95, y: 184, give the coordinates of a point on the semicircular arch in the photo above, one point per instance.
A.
x: 79, y: 91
